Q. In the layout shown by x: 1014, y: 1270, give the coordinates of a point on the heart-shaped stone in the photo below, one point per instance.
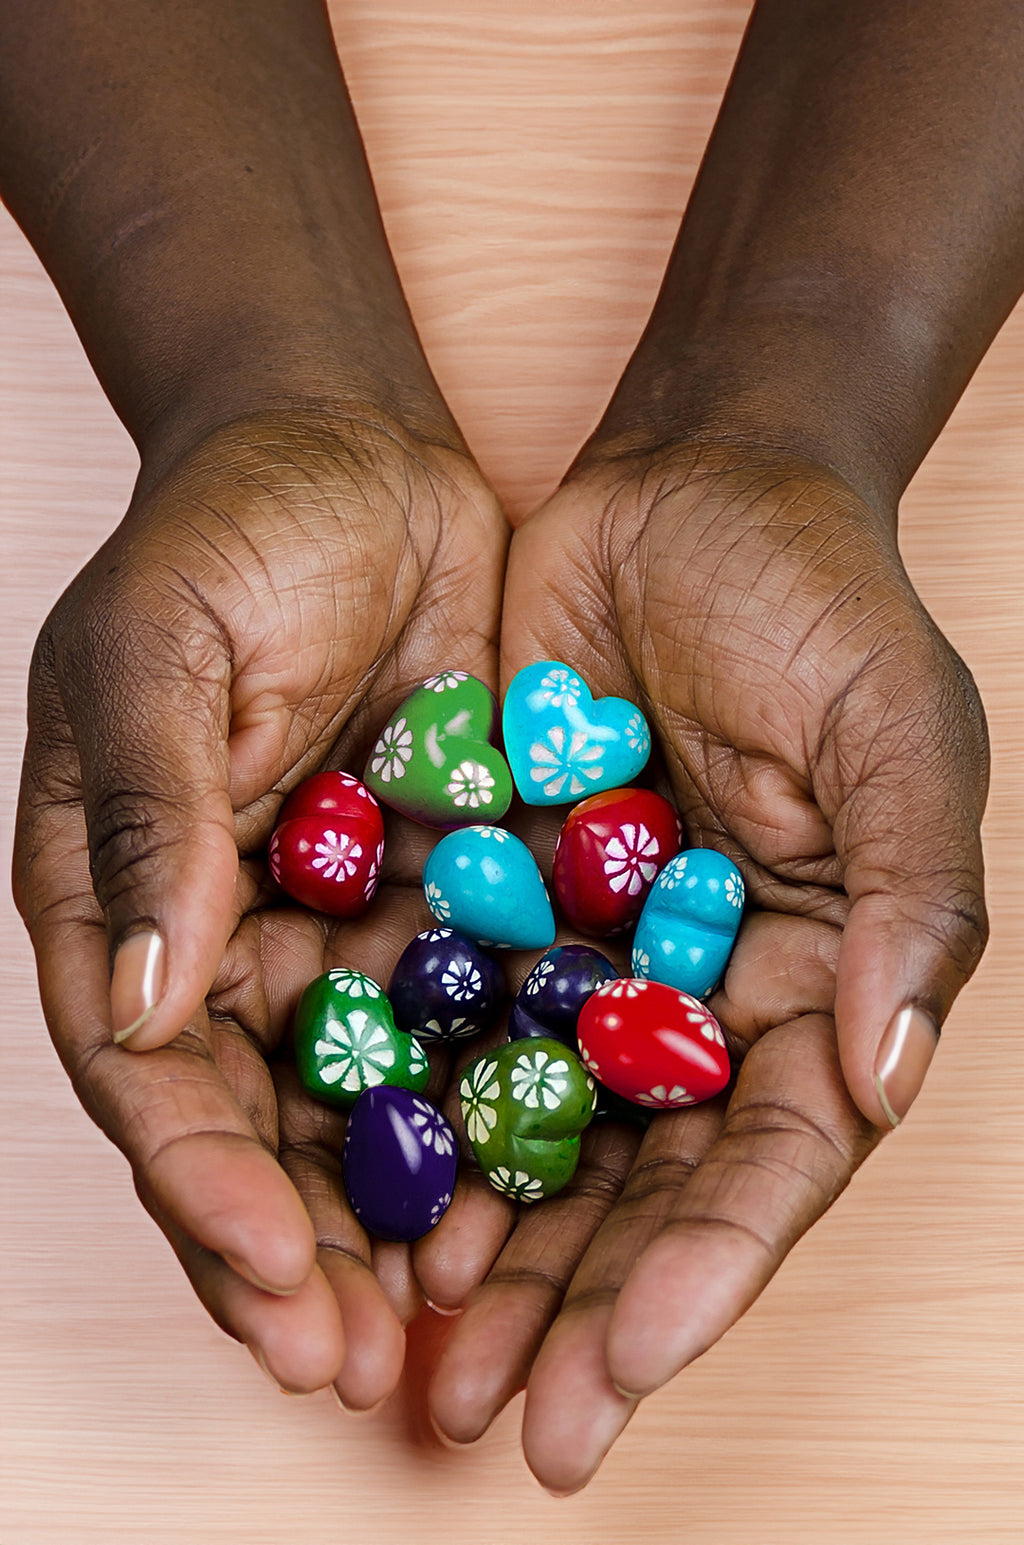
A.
x: 561, y: 744
x: 328, y: 844
x: 346, y: 1040
x: 484, y: 882
x: 398, y: 1161
x: 445, y: 988
x: 689, y: 922
x: 609, y: 854
x: 433, y: 760
x: 525, y: 1104
x: 653, y: 1045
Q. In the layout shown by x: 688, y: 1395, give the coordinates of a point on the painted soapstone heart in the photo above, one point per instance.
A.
x: 398, y: 1162
x: 445, y: 988
x: 525, y: 1104
x: 689, y: 922
x: 346, y: 1040
x: 658, y: 1047
x: 561, y: 744
x: 485, y: 883
x: 328, y: 844
x: 433, y: 760
x: 550, y: 999
x: 609, y: 854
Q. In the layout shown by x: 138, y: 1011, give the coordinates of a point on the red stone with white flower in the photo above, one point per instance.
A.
x: 328, y: 844
x: 655, y: 1046
x: 611, y: 850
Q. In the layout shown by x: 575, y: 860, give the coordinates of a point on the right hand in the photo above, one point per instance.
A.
x: 260, y: 610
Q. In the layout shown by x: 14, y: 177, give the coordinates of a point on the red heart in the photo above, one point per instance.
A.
x: 327, y: 847
x: 653, y: 1045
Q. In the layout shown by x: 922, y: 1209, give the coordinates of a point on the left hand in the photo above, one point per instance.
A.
x: 817, y: 727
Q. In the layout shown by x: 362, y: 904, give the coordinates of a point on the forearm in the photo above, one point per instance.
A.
x: 192, y: 176
x: 854, y: 240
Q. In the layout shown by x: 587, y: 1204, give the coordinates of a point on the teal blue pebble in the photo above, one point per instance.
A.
x: 561, y: 744
x: 484, y: 882
x: 689, y: 922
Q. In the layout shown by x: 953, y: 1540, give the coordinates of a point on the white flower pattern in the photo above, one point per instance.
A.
x: 337, y: 856
x: 441, y: 908
x: 734, y: 889
x: 433, y: 1128
x: 665, y: 1098
x: 538, y: 976
x: 641, y: 964
x: 478, y: 1090
x: 354, y: 984
x: 497, y: 833
x: 439, y: 1208
x: 470, y: 784
x: 516, y: 1184
x: 445, y: 681
x: 672, y: 873
x: 631, y: 859
x: 538, y: 1080
x: 562, y: 768
x: 638, y: 736
x: 392, y: 751
x: 561, y: 688
x: 356, y: 1052
x: 461, y: 980
x: 624, y: 987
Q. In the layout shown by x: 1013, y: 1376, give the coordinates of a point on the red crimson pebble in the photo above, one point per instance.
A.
x: 611, y: 850
x: 653, y: 1045
x: 328, y: 844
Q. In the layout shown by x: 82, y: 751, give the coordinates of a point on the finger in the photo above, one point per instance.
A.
x: 488, y: 1355
x: 781, y: 967
x: 910, y: 760
x: 790, y: 1143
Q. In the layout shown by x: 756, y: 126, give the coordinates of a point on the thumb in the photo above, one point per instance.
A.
x: 908, y: 835
x: 146, y: 691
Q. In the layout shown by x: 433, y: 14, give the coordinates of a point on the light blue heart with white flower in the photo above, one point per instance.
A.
x: 484, y: 882
x: 561, y: 743
x: 689, y: 922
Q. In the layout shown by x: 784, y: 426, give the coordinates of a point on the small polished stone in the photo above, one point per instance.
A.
x: 434, y: 760
x: 689, y: 922
x: 446, y: 988
x: 484, y: 882
x: 525, y: 1104
x: 550, y: 999
x: 562, y: 744
x: 653, y: 1045
x: 398, y: 1162
x: 346, y: 1040
x: 609, y: 854
x: 328, y: 844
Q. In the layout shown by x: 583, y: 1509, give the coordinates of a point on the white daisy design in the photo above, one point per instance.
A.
x: 641, y: 964
x: 536, y: 1079
x: 441, y: 908
x: 538, y: 976
x: 495, y: 833
x: 590, y: 1063
x: 734, y: 889
x: 445, y: 681
x: 459, y: 1029
x: 631, y: 859
x: 439, y: 1208
x: 624, y: 987
x: 433, y: 1129
x: 562, y: 768
x: 478, y: 1090
x: 707, y: 1027
x: 461, y: 980
x: 516, y: 1184
x: 561, y: 688
x: 356, y: 1052
x: 337, y: 856
x: 638, y: 736
x: 660, y: 1096
x: 435, y: 935
x: 355, y: 984
x: 672, y: 873
x: 470, y: 784
x: 392, y: 751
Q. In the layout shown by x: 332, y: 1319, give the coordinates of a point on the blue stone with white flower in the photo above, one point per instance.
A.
x: 689, y: 922
x: 398, y: 1162
x: 561, y: 743
x: 445, y: 988
x: 484, y: 882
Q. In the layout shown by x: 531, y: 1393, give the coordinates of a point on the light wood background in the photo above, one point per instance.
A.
x: 532, y: 160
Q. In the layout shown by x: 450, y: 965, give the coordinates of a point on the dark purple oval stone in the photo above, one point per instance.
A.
x: 398, y: 1161
x: 445, y: 988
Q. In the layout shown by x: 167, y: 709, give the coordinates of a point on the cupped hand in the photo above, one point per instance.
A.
x: 260, y: 610
x: 816, y: 726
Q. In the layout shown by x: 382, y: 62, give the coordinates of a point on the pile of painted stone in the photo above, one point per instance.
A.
x: 583, y: 1041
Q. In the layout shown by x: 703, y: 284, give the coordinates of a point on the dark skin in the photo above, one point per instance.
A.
x: 723, y: 551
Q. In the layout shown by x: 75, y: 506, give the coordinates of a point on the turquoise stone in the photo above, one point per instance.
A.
x: 561, y: 744
x: 689, y: 922
x: 484, y: 882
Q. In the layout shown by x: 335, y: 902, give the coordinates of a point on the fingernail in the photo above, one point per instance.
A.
x: 137, y: 983
x: 443, y: 1438
x: 440, y: 1308
x: 904, y: 1054
x: 294, y: 1394
x: 572, y: 1491
x: 245, y: 1270
x: 356, y: 1410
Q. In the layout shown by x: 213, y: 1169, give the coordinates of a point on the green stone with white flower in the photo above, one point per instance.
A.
x: 525, y: 1105
x: 346, y: 1040
x: 434, y: 759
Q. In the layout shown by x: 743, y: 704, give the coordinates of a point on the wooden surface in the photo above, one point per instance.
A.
x: 532, y: 161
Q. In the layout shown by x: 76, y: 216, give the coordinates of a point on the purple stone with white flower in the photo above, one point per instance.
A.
x: 549, y: 1001
x: 398, y: 1161
x: 445, y: 988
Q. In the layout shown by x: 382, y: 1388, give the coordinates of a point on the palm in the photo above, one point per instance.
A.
x: 762, y: 618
